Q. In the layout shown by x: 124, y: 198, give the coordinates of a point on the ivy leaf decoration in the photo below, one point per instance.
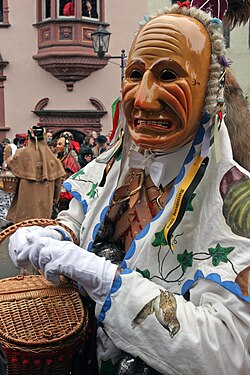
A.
x: 189, y: 205
x: 185, y: 259
x: 160, y: 239
x: 144, y: 273
x: 77, y: 174
x: 219, y: 254
x: 93, y: 191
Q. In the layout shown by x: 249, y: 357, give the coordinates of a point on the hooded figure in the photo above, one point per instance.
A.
x: 39, y: 173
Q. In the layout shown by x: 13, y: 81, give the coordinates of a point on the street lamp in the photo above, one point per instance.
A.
x: 100, y: 41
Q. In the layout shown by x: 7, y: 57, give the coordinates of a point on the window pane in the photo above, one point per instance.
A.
x: 1, y: 10
x: 90, y: 8
x: 66, y: 8
x: 46, y: 9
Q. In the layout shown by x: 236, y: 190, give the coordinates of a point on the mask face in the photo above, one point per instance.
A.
x: 60, y: 145
x: 49, y: 137
x: 165, y: 83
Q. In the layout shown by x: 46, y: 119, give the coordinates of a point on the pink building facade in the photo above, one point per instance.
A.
x: 49, y: 73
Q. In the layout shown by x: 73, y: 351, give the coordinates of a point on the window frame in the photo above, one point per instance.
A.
x: 43, y: 10
x: 55, y: 7
x: 98, y: 10
x: 5, y: 22
x: 58, y: 16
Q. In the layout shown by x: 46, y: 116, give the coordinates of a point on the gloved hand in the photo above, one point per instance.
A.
x: 55, y: 258
x: 19, y: 241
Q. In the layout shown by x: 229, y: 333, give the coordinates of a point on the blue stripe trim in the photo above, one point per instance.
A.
x: 76, y: 195
x: 65, y: 235
x: 90, y: 246
x: 97, y: 226
x: 107, y: 304
x: 129, y: 254
x: 84, y: 206
x: 180, y: 175
x: 229, y: 285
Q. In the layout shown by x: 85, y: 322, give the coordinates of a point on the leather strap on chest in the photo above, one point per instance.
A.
x: 143, y: 201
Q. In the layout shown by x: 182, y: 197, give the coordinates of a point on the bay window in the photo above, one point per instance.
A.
x: 64, y: 38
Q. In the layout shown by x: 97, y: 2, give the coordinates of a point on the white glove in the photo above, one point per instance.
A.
x: 18, y: 242
x: 55, y: 257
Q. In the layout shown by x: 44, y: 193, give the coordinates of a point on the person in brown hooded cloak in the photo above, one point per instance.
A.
x: 39, y: 173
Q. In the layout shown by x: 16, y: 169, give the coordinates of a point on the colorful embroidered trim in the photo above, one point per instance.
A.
x: 190, y: 182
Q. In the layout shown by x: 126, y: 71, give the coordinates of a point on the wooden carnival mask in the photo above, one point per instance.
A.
x: 165, y: 83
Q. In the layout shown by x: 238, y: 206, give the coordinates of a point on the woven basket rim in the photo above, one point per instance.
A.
x: 48, y: 347
x: 66, y: 290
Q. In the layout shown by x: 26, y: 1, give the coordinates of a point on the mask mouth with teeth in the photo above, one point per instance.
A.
x: 157, y: 124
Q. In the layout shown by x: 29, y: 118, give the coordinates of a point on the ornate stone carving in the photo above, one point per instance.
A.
x: 65, y: 33
x: 65, y: 50
x: 83, y: 121
x: 70, y: 68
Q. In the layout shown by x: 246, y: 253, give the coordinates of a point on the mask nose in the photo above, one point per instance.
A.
x: 148, y: 94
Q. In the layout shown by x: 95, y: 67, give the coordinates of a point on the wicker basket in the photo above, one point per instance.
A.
x: 41, y: 325
x: 8, y: 182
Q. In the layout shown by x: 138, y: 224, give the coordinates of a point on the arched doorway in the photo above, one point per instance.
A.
x: 77, y: 135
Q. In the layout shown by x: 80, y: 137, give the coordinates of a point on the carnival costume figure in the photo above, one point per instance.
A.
x: 162, y: 218
x: 67, y: 154
x: 39, y: 173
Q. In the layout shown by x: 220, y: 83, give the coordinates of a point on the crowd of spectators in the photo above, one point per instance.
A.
x: 72, y: 154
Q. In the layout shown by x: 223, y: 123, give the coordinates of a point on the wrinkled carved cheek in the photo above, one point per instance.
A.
x: 178, y: 96
x: 128, y: 97
x: 127, y: 88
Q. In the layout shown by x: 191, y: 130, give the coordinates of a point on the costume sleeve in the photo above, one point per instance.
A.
x: 208, y: 335
x: 73, y: 217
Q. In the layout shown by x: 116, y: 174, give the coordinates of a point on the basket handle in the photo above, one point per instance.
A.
x: 40, y: 222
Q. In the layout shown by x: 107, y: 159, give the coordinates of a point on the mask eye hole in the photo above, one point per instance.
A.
x: 168, y: 75
x: 136, y: 75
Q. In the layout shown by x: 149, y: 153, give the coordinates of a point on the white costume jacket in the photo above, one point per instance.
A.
x: 182, y: 301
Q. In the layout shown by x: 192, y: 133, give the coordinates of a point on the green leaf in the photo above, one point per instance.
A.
x: 219, y: 254
x: 185, y: 259
x: 190, y: 205
x: 160, y: 239
x: 144, y: 273
x: 93, y: 191
x: 77, y: 174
